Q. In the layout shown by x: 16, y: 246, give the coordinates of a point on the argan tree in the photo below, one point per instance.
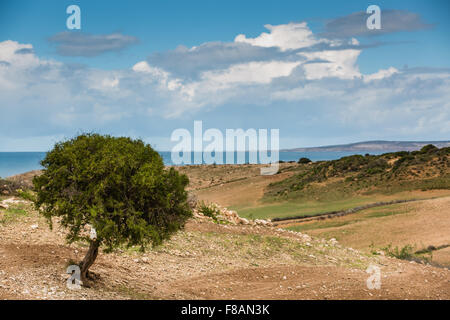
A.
x: 119, y: 186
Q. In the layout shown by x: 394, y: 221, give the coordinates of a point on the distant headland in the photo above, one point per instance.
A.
x: 377, y: 145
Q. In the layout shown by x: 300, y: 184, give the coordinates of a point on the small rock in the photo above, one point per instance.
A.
x: 244, y: 221
x: 333, y: 241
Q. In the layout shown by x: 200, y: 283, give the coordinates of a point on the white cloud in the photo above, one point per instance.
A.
x: 143, y: 66
x: 9, y: 53
x: 384, y: 73
x: 284, y: 36
x: 340, y: 64
x: 318, y: 80
x: 250, y: 73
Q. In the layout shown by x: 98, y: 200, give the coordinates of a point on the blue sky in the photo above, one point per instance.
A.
x: 145, y: 68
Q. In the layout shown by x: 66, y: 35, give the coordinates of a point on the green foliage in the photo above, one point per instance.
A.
x: 426, y: 169
x: 304, y: 160
x: 12, y: 214
x: 26, y: 195
x: 209, y: 210
x: 117, y: 185
x: 429, y: 148
x: 373, y: 250
x: 407, y: 252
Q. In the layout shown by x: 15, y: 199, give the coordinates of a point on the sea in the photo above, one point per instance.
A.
x: 12, y: 163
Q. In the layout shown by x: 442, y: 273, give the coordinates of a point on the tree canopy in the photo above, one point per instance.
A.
x: 119, y: 186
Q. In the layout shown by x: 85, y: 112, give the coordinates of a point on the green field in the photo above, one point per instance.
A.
x: 310, y: 208
x: 379, y: 212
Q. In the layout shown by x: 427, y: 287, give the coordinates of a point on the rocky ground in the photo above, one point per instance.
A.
x: 207, y: 260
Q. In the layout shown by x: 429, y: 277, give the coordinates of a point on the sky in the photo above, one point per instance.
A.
x: 311, y: 69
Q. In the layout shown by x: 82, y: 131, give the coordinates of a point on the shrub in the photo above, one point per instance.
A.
x: 26, y: 195
x: 429, y: 148
x: 119, y: 186
x: 209, y: 210
x: 405, y: 253
x: 8, y: 187
x: 304, y: 160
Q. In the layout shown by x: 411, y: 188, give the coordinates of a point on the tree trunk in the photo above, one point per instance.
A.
x: 88, y: 260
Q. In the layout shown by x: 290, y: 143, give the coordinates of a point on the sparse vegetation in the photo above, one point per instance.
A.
x: 426, y: 169
x: 12, y: 214
x: 321, y: 225
x: 26, y: 195
x: 9, y: 188
x: 407, y: 252
x: 223, y: 260
x: 214, y: 251
x: 209, y: 210
x: 304, y: 160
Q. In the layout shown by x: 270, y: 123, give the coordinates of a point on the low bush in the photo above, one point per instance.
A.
x: 407, y: 252
x: 209, y: 210
x: 304, y: 160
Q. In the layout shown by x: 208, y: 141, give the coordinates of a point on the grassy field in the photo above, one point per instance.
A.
x: 372, y: 213
x: 268, y: 210
x: 310, y: 208
x: 418, y: 225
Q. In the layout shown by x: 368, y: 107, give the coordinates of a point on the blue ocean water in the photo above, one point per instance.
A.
x: 12, y: 163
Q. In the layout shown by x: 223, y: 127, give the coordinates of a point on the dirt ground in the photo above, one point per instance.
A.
x: 242, y: 192
x: 208, y: 261
x: 232, y: 184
